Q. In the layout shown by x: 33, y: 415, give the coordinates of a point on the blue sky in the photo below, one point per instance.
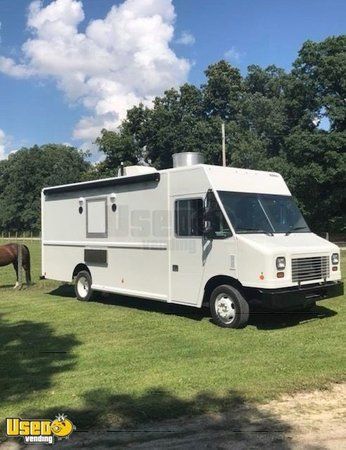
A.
x: 42, y: 103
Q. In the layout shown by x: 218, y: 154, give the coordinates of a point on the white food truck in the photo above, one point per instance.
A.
x: 194, y: 235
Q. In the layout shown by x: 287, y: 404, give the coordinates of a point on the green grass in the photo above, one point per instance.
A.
x: 119, y: 360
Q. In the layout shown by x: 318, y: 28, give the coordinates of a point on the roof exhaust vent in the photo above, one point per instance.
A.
x: 187, y: 159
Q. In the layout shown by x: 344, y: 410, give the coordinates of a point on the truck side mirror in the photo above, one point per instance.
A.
x: 208, y: 229
x: 208, y: 216
x: 208, y: 213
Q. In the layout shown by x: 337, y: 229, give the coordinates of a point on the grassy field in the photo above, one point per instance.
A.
x: 120, y: 361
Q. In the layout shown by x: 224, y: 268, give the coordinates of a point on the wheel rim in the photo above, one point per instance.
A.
x: 225, y: 308
x: 83, y: 287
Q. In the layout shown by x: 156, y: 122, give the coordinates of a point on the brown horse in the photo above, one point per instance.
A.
x: 9, y: 255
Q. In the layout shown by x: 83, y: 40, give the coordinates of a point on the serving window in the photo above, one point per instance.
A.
x: 96, y: 218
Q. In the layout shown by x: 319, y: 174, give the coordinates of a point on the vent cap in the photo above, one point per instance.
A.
x: 187, y: 159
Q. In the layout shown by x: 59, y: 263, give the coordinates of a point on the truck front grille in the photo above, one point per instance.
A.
x: 314, y: 268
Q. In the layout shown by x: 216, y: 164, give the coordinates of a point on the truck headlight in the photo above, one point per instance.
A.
x: 335, y: 258
x: 280, y: 262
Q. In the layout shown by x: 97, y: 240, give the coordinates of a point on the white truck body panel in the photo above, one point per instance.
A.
x: 145, y: 257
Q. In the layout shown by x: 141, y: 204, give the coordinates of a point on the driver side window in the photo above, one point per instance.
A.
x: 217, y: 219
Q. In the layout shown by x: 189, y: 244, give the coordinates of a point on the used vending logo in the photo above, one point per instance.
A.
x: 36, y: 431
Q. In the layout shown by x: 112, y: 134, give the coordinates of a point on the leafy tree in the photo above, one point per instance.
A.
x: 223, y: 90
x: 270, y: 82
x: 317, y: 176
x: 271, y: 122
x: 23, y: 176
x: 118, y: 147
x: 271, y: 119
x: 321, y: 66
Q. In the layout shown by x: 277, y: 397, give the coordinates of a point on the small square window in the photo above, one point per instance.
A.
x: 189, y: 217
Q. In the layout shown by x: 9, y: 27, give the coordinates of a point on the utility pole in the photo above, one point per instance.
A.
x: 223, y: 144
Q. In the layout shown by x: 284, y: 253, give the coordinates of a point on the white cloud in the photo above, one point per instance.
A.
x: 186, y: 38
x: 9, y: 67
x: 232, y: 54
x: 6, y: 143
x: 116, y: 63
x: 2, y: 144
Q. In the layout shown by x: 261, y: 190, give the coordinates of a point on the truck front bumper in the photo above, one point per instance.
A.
x: 287, y: 298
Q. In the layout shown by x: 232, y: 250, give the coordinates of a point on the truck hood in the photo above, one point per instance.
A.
x: 293, y: 243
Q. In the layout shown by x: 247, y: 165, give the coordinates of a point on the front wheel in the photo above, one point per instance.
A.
x: 83, y: 286
x: 228, y: 307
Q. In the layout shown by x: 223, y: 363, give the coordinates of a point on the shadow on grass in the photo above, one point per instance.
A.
x: 31, y: 353
x: 140, y: 304
x: 112, y: 419
x: 10, y: 287
x: 264, y: 319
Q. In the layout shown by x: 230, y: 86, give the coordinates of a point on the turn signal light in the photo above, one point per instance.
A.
x: 280, y: 274
x: 334, y: 269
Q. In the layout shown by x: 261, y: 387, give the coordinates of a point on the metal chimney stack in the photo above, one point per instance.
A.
x: 187, y: 159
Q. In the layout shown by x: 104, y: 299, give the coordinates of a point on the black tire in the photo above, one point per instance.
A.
x: 223, y: 300
x: 82, y: 286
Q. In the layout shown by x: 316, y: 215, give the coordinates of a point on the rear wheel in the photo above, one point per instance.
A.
x: 228, y: 307
x: 83, y: 286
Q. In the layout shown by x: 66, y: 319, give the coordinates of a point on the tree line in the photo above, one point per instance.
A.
x: 290, y: 122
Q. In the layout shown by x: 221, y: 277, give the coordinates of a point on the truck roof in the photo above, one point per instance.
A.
x: 239, y: 180
x: 246, y: 180
x: 220, y: 178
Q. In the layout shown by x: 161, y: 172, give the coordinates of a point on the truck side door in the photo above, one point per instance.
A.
x: 186, y: 249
